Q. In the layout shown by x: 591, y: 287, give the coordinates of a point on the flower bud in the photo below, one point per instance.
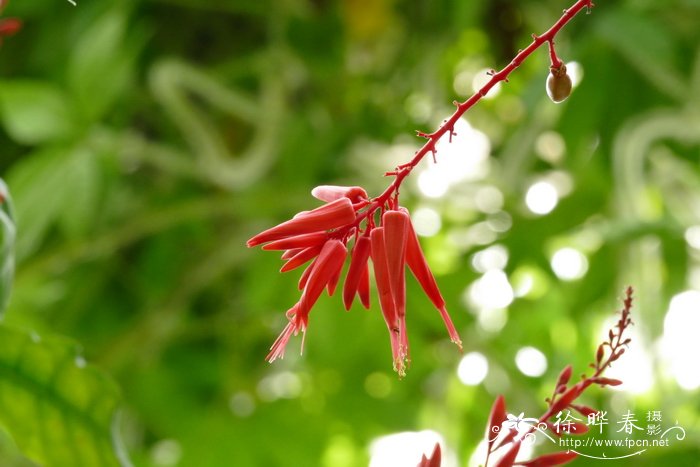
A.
x: 558, y: 84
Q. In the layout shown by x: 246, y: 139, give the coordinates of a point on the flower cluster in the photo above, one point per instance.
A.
x: 388, y: 242
x: 563, y: 398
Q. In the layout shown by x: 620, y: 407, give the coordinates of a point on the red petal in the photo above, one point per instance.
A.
x: 607, y: 381
x: 564, y: 376
x: 289, y: 254
x: 358, y: 265
x: 329, y: 261
x: 298, y: 241
x: 496, y: 418
x: 434, y: 460
x: 329, y: 216
x: 330, y: 193
x: 419, y: 267
x: 300, y: 258
x: 556, y: 458
x: 508, y: 459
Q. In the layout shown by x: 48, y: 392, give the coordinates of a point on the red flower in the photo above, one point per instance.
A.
x: 8, y: 26
x: 320, y: 237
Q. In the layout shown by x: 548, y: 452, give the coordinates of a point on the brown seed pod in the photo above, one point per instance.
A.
x: 558, y: 84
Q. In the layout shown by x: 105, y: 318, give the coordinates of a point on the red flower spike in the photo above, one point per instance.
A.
x: 358, y: 266
x: 386, y: 300
x: 300, y: 258
x: 419, y: 267
x: 330, y: 260
x: 434, y: 459
x: 330, y: 193
x: 329, y: 216
x: 556, y: 458
x: 298, y: 241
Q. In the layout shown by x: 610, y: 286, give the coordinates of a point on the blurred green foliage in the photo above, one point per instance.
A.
x: 144, y: 141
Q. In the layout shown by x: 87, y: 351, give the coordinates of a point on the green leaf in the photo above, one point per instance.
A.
x: 7, y: 243
x: 101, y: 64
x: 34, y: 112
x: 54, y: 186
x: 60, y: 411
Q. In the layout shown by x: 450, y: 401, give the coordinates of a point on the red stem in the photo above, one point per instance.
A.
x: 556, y: 63
x: 402, y: 171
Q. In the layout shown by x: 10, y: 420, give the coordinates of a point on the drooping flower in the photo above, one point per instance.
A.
x: 319, y: 238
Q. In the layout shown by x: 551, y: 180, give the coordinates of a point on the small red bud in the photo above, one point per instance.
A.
x: 600, y: 354
x: 564, y: 376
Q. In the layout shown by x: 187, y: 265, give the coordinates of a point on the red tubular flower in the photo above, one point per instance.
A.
x: 419, y: 267
x: 330, y: 193
x: 335, y: 214
x: 297, y: 241
x: 395, y: 234
x: 357, y: 273
x: 329, y: 262
x: 386, y: 299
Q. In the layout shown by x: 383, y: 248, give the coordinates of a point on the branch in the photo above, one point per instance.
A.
x: 388, y: 239
x: 563, y: 397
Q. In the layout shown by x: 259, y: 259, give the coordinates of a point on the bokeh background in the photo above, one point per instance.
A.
x: 144, y: 141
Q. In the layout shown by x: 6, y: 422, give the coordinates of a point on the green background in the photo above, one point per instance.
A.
x: 144, y: 141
